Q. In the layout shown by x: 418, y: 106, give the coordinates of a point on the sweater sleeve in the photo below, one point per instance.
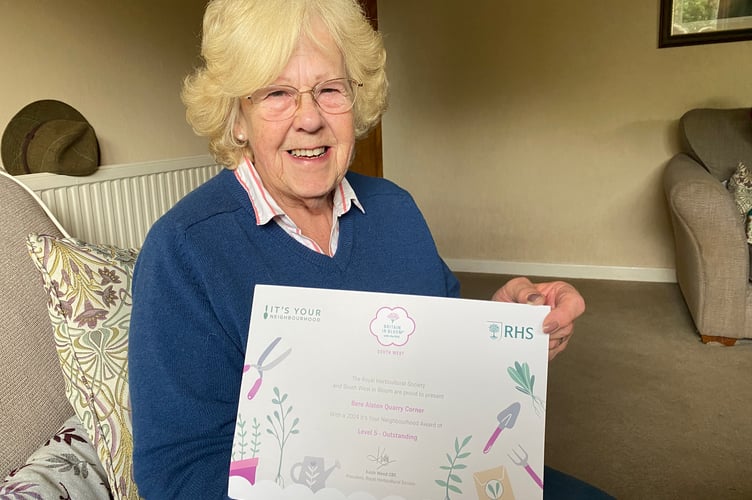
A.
x: 452, y: 283
x: 184, y: 377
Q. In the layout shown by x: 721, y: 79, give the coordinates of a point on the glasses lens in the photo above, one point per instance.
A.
x: 275, y: 103
x: 335, y: 96
x: 279, y: 102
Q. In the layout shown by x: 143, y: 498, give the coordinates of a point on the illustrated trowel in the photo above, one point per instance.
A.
x: 506, y: 419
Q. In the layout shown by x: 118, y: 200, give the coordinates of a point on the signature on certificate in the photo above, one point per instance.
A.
x: 381, y: 458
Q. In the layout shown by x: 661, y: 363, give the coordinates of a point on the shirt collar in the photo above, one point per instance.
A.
x: 265, y: 206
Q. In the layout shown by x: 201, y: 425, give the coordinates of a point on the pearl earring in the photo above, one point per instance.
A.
x: 241, y: 137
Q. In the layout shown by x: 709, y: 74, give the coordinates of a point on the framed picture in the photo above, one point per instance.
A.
x: 692, y: 22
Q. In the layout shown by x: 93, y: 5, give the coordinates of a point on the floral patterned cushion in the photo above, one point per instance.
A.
x: 66, y: 466
x: 740, y: 186
x: 89, y: 292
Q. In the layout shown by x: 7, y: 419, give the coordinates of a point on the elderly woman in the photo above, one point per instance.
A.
x: 286, y: 88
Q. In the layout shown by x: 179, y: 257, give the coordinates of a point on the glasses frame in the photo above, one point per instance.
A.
x: 354, y: 84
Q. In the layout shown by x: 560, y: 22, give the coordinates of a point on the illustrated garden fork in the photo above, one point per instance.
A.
x: 521, y: 459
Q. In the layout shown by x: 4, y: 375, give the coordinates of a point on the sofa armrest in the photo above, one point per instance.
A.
x: 712, y: 255
x: 32, y: 392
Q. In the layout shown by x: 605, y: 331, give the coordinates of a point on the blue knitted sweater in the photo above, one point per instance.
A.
x: 192, y: 292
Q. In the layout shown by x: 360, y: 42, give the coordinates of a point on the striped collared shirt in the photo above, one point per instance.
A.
x: 267, y: 209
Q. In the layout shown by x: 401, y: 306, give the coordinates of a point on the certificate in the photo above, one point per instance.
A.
x: 374, y: 396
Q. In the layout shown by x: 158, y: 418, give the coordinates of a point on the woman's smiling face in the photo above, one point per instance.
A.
x: 303, y: 158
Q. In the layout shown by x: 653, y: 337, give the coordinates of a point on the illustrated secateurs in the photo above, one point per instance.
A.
x: 261, y: 367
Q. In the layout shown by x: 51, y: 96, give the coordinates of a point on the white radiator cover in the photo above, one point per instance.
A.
x: 117, y: 204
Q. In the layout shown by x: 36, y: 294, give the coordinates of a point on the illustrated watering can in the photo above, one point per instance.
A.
x: 311, y: 473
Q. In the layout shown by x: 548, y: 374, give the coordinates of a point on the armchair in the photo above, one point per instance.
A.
x: 712, y: 253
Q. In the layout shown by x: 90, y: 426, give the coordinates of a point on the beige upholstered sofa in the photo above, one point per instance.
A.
x: 712, y: 253
x: 65, y: 305
x: 45, y: 449
x: 32, y: 397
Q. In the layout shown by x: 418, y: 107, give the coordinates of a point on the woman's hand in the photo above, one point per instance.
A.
x: 566, y: 305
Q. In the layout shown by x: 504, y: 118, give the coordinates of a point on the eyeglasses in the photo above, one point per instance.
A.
x: 279, y: 102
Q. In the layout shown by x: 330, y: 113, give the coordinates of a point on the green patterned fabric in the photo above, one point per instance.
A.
x: 89, y: 291
x: 740, y: 186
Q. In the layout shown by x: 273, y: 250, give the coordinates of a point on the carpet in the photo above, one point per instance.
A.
x: 637, y: 405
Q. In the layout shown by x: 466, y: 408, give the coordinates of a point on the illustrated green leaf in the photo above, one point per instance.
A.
x: 467, y: 440
x: 532, y: 383
x: 515, y: 376
x: 445, y: 467
x: 454, y: 466
x: 523, y: 391
x: 493, y: 488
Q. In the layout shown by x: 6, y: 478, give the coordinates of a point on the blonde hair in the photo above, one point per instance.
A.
x: 247, y: 43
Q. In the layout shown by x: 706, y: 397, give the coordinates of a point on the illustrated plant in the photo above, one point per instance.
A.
x: 241, y: 434
x: 256, y: 440
x: 453, y: 466
x: 520, y: 374
x: 494, y: 489
x: 239, y: 448
x: 279, y: 429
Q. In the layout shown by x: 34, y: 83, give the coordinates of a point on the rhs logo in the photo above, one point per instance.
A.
x: 499, y: 330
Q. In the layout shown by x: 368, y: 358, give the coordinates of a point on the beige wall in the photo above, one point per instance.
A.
x: 529, y: 132
x: 120, y: 63
x: 537, y: 132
